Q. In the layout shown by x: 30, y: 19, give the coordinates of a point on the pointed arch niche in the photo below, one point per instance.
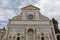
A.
x: 30, y: 34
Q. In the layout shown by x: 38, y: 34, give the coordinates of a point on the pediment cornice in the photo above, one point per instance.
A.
x: 30, y: 7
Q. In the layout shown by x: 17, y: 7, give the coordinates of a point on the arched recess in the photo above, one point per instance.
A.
x: 42, y: 36
x: 30, y: 34
x: 18, y: 36
x: 58, y: 37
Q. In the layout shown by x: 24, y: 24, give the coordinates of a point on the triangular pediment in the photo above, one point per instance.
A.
x: 24, y: 14
x: 30, y: 7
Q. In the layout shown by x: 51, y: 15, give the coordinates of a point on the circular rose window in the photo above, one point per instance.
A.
x: 30, y: 16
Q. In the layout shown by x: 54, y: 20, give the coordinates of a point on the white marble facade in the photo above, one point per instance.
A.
x: 30, y: 24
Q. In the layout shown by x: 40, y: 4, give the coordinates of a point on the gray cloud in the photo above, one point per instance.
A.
x: 50, y: 8
x: 10, y: 8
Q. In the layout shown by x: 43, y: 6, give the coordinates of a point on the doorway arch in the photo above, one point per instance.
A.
x: 30, y: 34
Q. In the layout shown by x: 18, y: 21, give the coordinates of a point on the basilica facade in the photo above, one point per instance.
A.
x: 30, y: 24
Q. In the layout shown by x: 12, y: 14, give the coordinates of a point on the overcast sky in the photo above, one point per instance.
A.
x: 10, y: 8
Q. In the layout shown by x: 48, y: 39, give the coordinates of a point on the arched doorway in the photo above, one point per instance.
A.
x: 30, y: 34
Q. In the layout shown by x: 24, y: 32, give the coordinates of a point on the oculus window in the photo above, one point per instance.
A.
x: 30, y: 16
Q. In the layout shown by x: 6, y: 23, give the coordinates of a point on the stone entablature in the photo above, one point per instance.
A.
x: 31, y: 22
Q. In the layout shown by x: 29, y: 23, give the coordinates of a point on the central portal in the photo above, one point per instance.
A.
x: 30, y: 34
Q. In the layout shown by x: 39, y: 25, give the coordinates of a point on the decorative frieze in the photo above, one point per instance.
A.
x: 31, y: 22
